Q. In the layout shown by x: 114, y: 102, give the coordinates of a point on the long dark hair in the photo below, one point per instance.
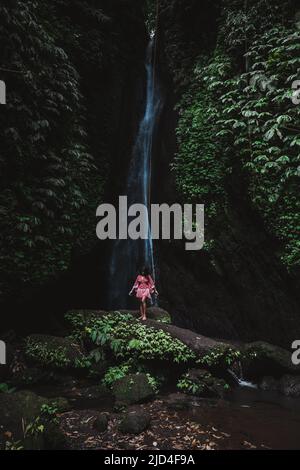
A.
x: 144, y: 270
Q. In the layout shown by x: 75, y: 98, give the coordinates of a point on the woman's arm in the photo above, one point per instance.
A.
x: 135, y: 286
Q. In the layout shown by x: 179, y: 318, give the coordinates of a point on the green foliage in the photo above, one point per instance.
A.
x: 57, y: 128
x: 204, y: 384
x: 258, y: 103
x: 55, y: 352
x: 35, y: 428
x: 49, y: 412
x: 14, y: 445
x: 116, y: 373
x: 5, y: 388
x: 153, y: 382
x: 187, y: 385
x: 238, y: 126
x: 222, y: 357
x: 40, y: 352
x: 128, y: 338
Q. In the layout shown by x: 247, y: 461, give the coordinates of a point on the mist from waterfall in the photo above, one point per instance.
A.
x: 127, y: 255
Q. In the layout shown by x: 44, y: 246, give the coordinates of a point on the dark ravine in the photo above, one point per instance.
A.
x: 242, y: 291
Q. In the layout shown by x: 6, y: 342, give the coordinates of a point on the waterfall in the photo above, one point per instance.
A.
x: 128, y: 254
x: 239, y: 377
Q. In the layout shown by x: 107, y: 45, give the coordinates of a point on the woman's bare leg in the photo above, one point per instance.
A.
x: 144, y: 309
x: 141, y: 310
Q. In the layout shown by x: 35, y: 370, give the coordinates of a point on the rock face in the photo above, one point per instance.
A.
x: 135, y: 422
x: 240, y: 288
x: 134, y: 388
x: 53, y: 351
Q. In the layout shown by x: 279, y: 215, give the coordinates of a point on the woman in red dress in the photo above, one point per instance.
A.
x: 143, y: 288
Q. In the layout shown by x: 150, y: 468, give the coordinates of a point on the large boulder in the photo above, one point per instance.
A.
x: 18, y: 410
x: 53, y: 351
x: 134, y: 388
x: 135, y: 422
x: 262, y: 358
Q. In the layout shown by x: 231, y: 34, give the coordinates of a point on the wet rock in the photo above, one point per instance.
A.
x: 269, y: 384
x: 135, y: 422
x: 53, y: 351
x: 182, y: 401
x: 178, y: 401
x: 101, y: 422
x: 134, y: 388
x: 290, y: 386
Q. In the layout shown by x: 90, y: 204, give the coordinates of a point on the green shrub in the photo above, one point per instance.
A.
x: 128, y: 338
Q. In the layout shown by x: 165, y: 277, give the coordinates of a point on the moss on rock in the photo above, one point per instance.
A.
x: 134, y: 388
x: 53, y: 351
x: 200, y: 382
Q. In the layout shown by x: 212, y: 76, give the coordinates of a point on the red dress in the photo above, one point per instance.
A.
x: 143, y: 287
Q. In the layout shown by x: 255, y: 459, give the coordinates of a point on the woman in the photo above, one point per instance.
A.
x: 143, y: 288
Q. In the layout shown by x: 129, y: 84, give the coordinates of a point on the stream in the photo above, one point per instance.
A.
x: 248, y: 419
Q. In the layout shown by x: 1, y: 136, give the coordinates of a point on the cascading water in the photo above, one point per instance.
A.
x: 127, y: 254
x: 239, y: 377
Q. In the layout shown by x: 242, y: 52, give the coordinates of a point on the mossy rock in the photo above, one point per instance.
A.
x: 261, y: 357
x: 201, y: 383
x: 20, y: 409
x: 134, y: 388
x: 153, y: 313
x: 53, y: 351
